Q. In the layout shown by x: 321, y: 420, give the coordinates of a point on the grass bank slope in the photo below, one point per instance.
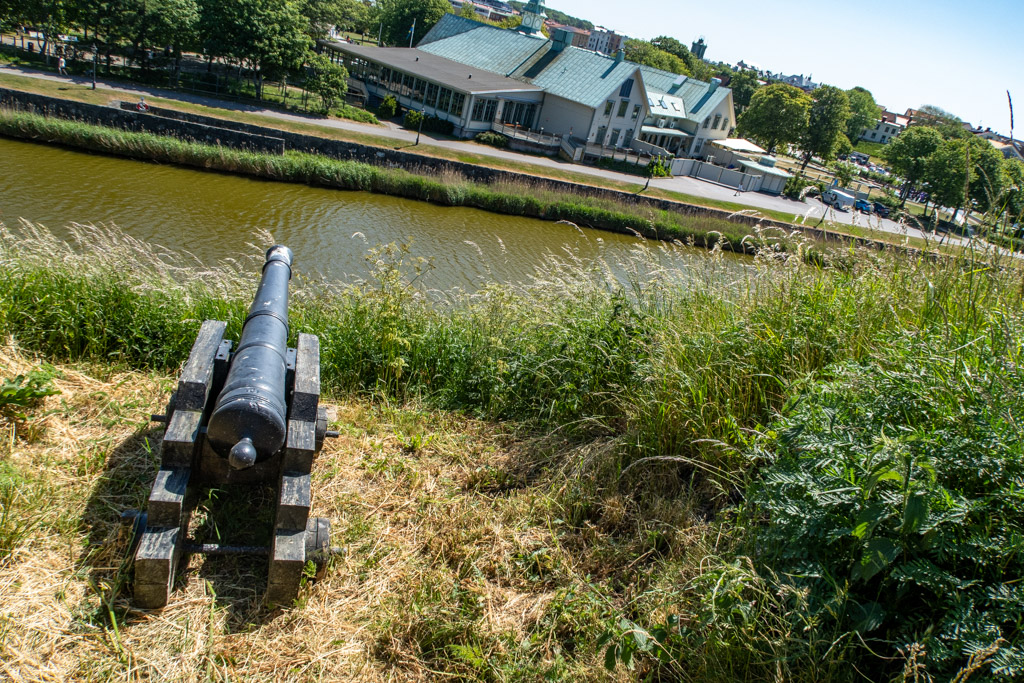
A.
x: 802, y: 473
x: 524, y: 198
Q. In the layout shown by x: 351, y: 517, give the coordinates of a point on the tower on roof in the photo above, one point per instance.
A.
x: 533, y: 17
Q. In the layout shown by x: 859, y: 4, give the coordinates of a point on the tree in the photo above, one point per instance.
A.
x: 346, y: 15
x: 326, y: 80
x: 826, y: 123
x: 948, y: 174
x: 1013, y: 198
x: 949, y: 125
x: 267, y: 36
x: 642, y: 52
x: 908, y: 153
x: 398, y: 16
x: 743, y: 84
x: 864, y: 113
x: 989, y: 181
x: 697, y: 68
x: 777, y: 115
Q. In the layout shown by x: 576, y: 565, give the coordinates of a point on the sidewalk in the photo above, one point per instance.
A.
x: 808, y: 213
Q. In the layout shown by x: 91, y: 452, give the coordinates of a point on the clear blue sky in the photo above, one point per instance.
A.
x: 961, y: 56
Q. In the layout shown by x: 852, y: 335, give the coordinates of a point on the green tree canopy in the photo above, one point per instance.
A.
x: 267, y: 36
x: 908, y: 153
x: 1013, y: 198
x: 948, y: 174
x: 830, y: 111
x: 743, y: 84
x: 697, y: 68
x: 989, y: 181
x: 777, y: 115
x: 327, y: 80
x: 347, y: 15
x: 864, y: 113
x: 642, y: 52
x: 398, y: 16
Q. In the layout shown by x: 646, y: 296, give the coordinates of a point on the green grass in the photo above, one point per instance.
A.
x: 872, y: 149
x: 779, y: 476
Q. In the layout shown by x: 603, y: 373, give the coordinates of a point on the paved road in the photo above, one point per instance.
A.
x: 809, y: 212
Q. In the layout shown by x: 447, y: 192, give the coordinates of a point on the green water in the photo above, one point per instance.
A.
x: 216, y: 216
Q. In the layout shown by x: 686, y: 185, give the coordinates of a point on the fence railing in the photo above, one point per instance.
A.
x: 519, y: 133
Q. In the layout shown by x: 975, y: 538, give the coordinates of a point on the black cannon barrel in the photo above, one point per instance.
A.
x: 250, y: 419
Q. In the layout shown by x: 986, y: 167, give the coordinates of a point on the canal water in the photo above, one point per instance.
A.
x: 216, y: 216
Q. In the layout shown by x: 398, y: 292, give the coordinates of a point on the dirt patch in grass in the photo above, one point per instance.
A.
x: 457, y: 562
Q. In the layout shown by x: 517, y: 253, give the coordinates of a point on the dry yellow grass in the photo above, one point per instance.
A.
x: 447, y: 542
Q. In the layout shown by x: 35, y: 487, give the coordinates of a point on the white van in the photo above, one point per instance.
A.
x: 837, y: 199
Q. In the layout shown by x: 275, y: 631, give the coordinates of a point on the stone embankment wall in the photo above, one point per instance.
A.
x: 232, y: 133
x: 206, y: 132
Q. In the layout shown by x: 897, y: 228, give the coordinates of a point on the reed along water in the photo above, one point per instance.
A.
x: 216, y: 216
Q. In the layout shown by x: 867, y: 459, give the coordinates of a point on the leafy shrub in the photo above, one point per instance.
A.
x: 347, y: 111
x: 413, y: 120
x: 491, y: 138
x: 387, y: 108
x: 659, y: 168
x: 892, y: 499
x: 795, y: 187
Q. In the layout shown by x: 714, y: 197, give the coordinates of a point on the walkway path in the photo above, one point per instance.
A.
x: 809, y: 212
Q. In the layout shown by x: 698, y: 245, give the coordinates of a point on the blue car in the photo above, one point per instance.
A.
x: 862, y: 205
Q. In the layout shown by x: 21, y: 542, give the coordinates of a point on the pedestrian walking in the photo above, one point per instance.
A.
x: 739, y: 190
x: 60, y: 67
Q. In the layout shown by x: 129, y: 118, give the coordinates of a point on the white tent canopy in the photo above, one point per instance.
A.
x: 739, y: 145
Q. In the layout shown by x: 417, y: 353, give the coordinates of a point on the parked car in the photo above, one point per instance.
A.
x: 882, y: 210
x: 862, y: 205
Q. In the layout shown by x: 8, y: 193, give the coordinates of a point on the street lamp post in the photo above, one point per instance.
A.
x: 95, y: 63
x: 419, y: 128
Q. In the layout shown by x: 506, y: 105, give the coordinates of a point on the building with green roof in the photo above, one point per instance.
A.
x: 579, y: 96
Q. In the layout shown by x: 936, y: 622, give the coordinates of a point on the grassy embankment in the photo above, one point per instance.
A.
x: 519, y: 199
x: 465, y: 154
x: 806, y: 474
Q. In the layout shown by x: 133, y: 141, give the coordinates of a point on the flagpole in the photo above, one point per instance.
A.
x: 412, y: 31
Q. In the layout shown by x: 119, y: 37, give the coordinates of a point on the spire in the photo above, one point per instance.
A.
x: 533, y: 17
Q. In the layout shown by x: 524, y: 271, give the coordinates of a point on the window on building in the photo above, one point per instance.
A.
x: 417, y: 90
x: 407, y: 83
x: 636, y: 111
x: 616, y: 132
x: 458, y: 102
x: 707, y: 122
x: 718, y: 120
x: 608, y: 108
x: 444, y: 99
x: 385, y: 77
x: 431, y: 100
x: 623, y: 107
x: 627, y: 87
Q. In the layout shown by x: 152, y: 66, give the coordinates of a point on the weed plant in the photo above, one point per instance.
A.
x: 806, y: 472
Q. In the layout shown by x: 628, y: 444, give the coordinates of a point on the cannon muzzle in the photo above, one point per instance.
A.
x: 249, y: 422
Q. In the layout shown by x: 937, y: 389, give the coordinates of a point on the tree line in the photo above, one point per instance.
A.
x: 269, y: 38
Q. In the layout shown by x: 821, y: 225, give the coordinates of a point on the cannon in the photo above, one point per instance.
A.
x: 248, y: 416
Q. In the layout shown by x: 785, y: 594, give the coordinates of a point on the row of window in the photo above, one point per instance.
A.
x: 406, y: 85
x: 623, y: 107
x: 484, y: 110
x: 718, y: 120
